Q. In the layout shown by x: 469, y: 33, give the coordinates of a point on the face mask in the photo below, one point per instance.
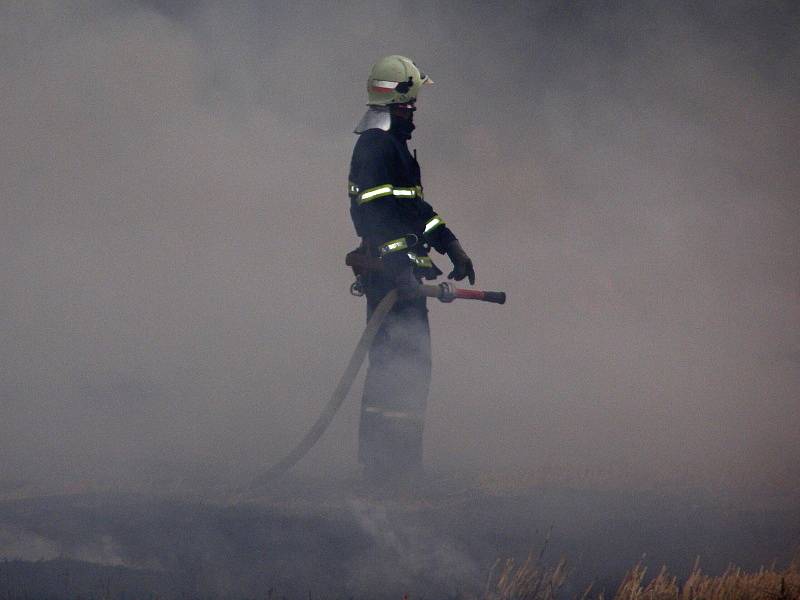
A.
x: 403, y: 122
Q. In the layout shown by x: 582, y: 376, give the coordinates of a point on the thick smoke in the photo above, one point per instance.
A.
x: 174, y: 220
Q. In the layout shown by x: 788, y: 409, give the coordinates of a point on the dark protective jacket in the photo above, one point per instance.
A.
x: 390, y: 213
x: 387, y: 203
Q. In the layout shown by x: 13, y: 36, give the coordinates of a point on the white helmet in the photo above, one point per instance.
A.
x: 392, y: 80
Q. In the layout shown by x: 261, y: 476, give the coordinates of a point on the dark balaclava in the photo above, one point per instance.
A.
x: 402, y: 120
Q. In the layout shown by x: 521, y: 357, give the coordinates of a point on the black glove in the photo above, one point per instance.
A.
x: 462, y: 264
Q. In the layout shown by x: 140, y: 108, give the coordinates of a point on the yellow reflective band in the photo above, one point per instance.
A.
x: 420, y: 261
x: 376, y: 192
x: 418, y: 190
x: 435, y: 221
x: 385, y: 190
x: 352, y: 188
x: 394, y: 245
x: 394, y: 414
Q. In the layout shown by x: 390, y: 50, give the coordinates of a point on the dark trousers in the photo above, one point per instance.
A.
x: 396, y: 386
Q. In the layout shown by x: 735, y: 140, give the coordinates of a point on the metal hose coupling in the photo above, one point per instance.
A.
x: 447, y: 292
x: 357, y: 287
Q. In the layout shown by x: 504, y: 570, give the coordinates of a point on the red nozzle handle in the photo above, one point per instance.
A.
x: 496, y: 297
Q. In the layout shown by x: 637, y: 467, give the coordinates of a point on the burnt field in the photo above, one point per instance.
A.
x: 301, y: 540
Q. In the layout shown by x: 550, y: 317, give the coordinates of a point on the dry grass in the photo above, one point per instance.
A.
x: 529, y: 581
x: 733, y: 584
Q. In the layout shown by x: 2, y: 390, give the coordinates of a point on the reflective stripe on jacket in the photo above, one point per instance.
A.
x: 387, y: 202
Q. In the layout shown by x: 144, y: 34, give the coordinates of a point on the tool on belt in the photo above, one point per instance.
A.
x: 362, y: 262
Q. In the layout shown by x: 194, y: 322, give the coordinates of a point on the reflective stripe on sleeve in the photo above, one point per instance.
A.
x: 352, y: 188
x: 433, y: 223
x: 373, y: 193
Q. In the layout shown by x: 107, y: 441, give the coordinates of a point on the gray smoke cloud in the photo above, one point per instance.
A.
x: 173, y: 222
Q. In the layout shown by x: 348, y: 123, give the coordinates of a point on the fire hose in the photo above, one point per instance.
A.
x: 445, y: 292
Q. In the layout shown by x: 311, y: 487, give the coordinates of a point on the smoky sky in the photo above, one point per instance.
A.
x: 173, y: 222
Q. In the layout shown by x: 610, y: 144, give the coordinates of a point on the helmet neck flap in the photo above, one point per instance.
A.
x: 376, y: 117
x: 381, y: 117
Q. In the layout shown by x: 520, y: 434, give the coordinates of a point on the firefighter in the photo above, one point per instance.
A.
x: 397, y: 225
